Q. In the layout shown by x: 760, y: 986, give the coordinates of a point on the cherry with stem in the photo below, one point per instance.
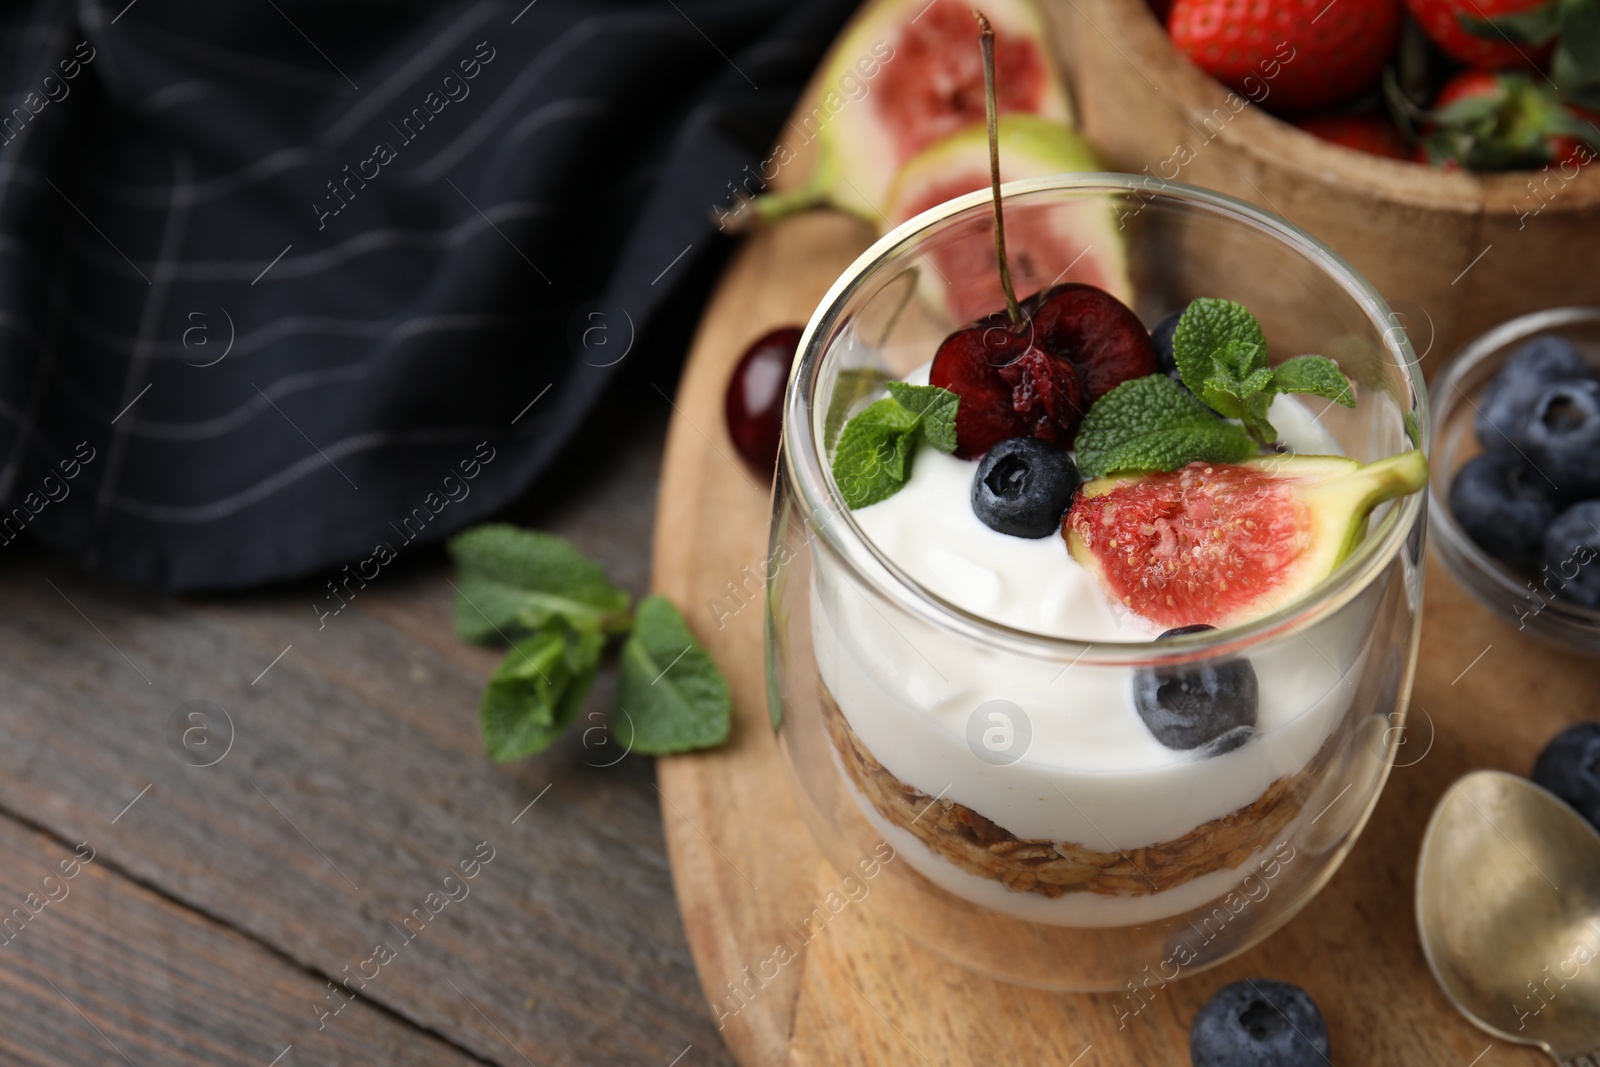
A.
x: 990, y: 109
x: 1032, y: 373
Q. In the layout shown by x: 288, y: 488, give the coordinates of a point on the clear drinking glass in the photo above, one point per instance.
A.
x: 912, y: 730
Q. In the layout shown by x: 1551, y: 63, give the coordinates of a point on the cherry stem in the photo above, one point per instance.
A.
x: 990, y: 108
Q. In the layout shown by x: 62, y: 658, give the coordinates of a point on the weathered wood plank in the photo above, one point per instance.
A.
x: 356, y: 782
x: 108, y: 972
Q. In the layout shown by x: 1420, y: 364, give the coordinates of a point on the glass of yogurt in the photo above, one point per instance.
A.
x: 955, y: 707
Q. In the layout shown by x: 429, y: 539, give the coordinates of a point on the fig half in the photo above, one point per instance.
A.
x: 904, y: 75
x: 1222, y: 543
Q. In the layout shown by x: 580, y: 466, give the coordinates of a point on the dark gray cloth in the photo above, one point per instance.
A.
x: 282, y: 282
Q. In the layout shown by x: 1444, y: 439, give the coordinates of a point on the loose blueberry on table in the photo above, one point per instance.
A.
x: 1569, y: 767
x: 1259, y: 1023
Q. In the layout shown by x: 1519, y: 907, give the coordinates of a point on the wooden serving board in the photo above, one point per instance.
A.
x: 745, y: 867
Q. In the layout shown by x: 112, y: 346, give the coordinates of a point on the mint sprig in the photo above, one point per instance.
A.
x: 1218, y: 415
x: 1221, y: 355
x: 558, y: 611
x: 878, y: 446
x: 1154, y: 424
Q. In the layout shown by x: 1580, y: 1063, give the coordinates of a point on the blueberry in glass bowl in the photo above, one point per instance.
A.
x: 1515, y: 497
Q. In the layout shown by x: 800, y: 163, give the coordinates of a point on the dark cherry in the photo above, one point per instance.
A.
x: 754, y: 404
x: 1032, y: 369
x: 1100, y: 334
x: 1008, y: 386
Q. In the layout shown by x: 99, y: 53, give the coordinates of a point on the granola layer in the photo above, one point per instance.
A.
x: 1055, y: 868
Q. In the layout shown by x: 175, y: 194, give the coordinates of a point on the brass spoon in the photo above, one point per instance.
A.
x: 1508, y: 906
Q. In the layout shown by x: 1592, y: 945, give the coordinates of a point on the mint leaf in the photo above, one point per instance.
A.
x: 486, y: 611
x: 853, y: 385
x: 1237, y: 376
x: 1222, y: 357
x: 1153, y: 424
x: 1317, y: 375
x: 1220, y: 341
x: 671, y: 697
x: 1241, y: 387
x: 537, y: 690
x: 938, y: 410
x: 513, y: 581
x: 875, y: 452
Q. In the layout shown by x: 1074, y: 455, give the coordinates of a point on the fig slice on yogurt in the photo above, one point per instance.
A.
x: 1223, y: 543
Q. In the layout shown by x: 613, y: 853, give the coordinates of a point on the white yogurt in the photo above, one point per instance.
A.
x: 1092, y: 773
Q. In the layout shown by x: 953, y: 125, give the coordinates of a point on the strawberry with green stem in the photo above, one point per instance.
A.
x: 1484, y: 120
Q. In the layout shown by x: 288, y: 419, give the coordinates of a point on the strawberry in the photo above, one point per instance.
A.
x: 1461, y: 28
x: 1364, y: 133
x: 1483, y: 120
x: 1290, y: 55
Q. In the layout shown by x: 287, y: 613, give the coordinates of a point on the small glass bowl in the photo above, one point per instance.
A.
x: 1514, y: 596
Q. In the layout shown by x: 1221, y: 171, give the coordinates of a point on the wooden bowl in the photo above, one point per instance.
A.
x: 1454, y: 253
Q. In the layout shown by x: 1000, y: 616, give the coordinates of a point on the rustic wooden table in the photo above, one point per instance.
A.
x: 344, y: 784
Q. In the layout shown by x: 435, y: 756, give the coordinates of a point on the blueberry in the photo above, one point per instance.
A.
x: 1023, y: 486
x: 1259, y: 1023
x: 1572, y: 554
x: 1509, y: 399
x: 1194, y: 704
x: 1503, y: 505
x: 1237, y: 737
x: 1561, y: 438
x: 1161, y: 337
x: 1569, y: 767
